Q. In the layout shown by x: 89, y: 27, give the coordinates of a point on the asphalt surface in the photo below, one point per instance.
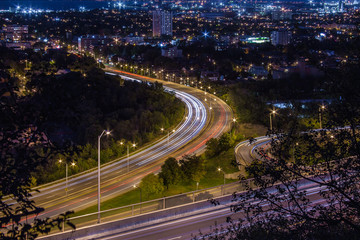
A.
x: 190, y: 226
x: 202, y: 220
x: 199, y: 125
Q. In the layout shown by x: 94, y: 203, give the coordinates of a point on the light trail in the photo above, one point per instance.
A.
x: 115, y: 179
x: 194, y: 223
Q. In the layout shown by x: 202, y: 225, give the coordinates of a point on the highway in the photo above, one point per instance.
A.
x: 245, y: 151
x: 202, y: 220
x: 188, y: 227
x: 199, y: 125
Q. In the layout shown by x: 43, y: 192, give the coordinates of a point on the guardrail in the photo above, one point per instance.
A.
x: 155, y: 205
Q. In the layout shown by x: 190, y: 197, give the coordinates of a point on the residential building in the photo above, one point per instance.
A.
x: 173, y: 52
x: 15, y: 33
x: 89, y: 42
x: 281, y: 37
x: 162, y: 23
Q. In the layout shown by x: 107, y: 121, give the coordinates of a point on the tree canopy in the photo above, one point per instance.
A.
x: 306, y: 185
x: 152, y: 184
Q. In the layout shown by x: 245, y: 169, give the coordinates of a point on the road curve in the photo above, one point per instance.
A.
x: 199, y: 125
x: 245, y: 151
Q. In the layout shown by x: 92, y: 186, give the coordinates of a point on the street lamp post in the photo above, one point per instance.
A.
x: 273, y: 112
x: 98, y: 197
x: 140, y: 195
x: 321, y: 109
x: 168, y: 134
x: 128, y: 163
x: 220, y: 170
x: 66, y: 174
x: 173, y: 131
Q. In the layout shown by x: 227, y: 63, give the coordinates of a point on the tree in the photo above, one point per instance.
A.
x: 23, y: 148
x: 171, y: 172
x: 193, y: 167
x: 212, y: 147
x: 308, y: 187
x: 215, y: 146
x: 152, y: 184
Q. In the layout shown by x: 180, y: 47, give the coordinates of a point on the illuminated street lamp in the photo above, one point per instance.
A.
x: 168, y: 134
x: 321, y: 109
x: 128, y: 164
x: 234, y: 122
x: 273, y: 112
x: 220, y: 170
x: 98, y: 197
x: 66, y: 174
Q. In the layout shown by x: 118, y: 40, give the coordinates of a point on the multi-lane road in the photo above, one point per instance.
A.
x: 203, y: 220
x: 245, y: 151
x: 189, y: 226
x: 198, y: 126
x: 184, y: 226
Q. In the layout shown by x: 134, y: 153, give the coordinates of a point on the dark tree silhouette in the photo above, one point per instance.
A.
x: 308, y: 187
x: 23, y: 148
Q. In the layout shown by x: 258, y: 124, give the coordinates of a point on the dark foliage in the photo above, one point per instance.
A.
x: 308, y: 187
x: 22, y: 149
x: 171, y: 172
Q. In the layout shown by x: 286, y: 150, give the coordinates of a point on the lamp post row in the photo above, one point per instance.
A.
x: 66, y: 174
x: 99, y: 173
x: 273, y: 112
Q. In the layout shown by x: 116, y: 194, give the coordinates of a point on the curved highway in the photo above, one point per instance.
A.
x: 189, y: 226
x: 199, y: 125
x: 245, y: 151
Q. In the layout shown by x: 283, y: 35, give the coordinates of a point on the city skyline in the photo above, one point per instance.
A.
x: 180, y: 119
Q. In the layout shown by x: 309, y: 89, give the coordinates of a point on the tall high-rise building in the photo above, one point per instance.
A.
x: 281, y: 37
x: 341, y: 6
x: 162, y: 23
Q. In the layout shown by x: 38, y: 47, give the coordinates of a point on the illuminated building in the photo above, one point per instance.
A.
x: 15, y: 33
x: 281, y: 37
x: 257, y: 40
x: 88, y: 43
x: 341, y: 6
x: 162, y: 23
x: 173, y: 52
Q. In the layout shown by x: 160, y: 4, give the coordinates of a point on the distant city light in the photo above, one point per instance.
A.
x: 257, y: 39
x: 205, y: 34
